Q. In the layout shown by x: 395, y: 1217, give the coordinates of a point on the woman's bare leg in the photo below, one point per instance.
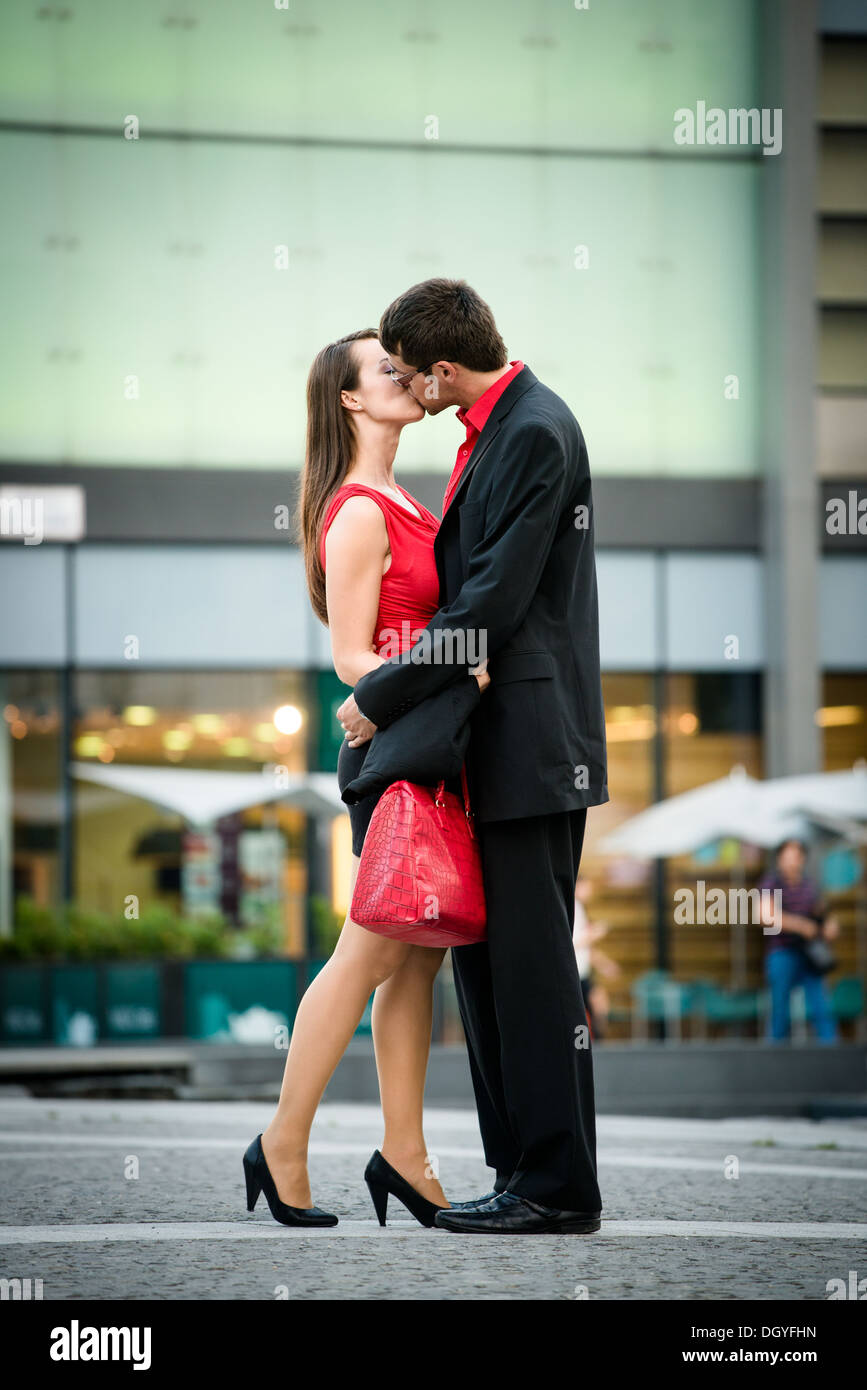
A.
x: 402, y: 1018
x: 327, y: 1017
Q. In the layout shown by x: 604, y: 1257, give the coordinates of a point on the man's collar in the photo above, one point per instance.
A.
x: 477, y: 414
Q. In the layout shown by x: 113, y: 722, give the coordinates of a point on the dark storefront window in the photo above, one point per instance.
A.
x: 840, y: 865
x: 30, y: 788
x: 712, y: 727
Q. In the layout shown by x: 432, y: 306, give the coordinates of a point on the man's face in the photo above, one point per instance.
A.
x: 432, y: 385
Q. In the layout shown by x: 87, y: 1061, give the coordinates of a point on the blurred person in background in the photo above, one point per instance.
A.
x: 591, y: 961
x: 802, y: 918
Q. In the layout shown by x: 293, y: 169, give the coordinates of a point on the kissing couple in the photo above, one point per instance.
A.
x: 511, y: 560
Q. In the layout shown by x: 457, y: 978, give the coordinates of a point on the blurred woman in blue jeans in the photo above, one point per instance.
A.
x: 786, y: 964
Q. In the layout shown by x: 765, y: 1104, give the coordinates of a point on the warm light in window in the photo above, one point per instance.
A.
x: 18, y: 728
x: 265, y: 733
x: 623, y: 731
x: 211, y: 725
x: 288, y: 719
x: 176, y: 740
x: 10, y: 713
x: 236, y: 747
x: 341, y: 863
x: 627, y: 714
x: 687, y: 723
x: 834, y: 716
x: 88, y: 746
x: 140, y: 715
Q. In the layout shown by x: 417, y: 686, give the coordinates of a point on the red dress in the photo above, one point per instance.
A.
x: 409, y: 590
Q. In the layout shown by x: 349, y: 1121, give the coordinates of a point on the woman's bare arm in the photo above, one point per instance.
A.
x: 356, y: 551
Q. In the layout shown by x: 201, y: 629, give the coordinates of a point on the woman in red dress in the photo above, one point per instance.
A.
x: 368, y: 550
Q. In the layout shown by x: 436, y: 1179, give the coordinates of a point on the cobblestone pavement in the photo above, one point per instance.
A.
x: 144, y: 1200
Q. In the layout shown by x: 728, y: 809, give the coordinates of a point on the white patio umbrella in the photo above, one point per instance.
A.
x: 838, y: 795
x: 203, y: 796
x: 732, y: 807
x: 752, y: 812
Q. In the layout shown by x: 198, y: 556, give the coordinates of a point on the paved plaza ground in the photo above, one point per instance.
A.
x: 137, y: 1199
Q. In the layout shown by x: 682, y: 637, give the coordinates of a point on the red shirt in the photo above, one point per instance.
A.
x: 475, y: 418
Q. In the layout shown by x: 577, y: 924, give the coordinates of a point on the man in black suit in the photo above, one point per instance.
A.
x: 517, y: 575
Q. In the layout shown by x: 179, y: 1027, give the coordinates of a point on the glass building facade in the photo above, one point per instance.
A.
x: 177, y: 245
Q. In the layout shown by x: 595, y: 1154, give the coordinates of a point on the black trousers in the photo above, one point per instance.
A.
x: 523, y: 1013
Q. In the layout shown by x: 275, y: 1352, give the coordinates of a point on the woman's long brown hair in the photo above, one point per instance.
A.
x: 329, y: 451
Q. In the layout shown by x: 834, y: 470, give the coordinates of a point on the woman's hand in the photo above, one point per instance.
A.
x: 357, y: 729
x: 481, y: 674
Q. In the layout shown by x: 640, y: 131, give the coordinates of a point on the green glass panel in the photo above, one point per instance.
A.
x: 239, y: 1001
x: 494, y: 72
x: 330, y: 695
x: 75, y: 1005
x: 649, y: 334
x: 23, y: 1016
x: 133, y: 1002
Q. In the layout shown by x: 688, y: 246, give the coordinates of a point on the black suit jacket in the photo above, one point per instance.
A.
x: 427, y: 744
x: 516, y: 565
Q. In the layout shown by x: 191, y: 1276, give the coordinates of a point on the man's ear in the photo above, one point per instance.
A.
x: 449, y: 371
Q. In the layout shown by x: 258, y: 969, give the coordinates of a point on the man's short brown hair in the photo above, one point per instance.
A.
x: 443, y: 320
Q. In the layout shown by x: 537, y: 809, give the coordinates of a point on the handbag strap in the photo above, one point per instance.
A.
x: 465, y: 792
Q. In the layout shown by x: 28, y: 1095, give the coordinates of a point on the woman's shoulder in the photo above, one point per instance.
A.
x: 352, y: 508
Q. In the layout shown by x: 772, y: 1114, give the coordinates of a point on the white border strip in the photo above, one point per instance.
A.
x: 613, y: 1158
x: 149, y: 1232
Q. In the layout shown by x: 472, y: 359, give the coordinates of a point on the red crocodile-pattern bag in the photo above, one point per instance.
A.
x: 420, y: 876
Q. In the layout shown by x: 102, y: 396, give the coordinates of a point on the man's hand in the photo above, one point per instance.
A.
x: 358, y: 729
x: 481, y: 674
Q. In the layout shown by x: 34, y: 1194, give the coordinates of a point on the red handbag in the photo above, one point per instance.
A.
x: 420, y: 875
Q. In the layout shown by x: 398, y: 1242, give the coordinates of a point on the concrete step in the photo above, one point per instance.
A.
x: 698, y: 1080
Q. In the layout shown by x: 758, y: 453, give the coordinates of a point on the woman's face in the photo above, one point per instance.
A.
x: 377, y: 394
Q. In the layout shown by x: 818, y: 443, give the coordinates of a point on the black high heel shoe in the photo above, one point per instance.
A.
x: 258, y: 1179
x: 382, y: 1179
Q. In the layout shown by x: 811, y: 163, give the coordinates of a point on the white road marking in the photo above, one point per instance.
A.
x: 788, y: 1132
x: 254, y: 1229
x: 611, y: 1158
x: 207, y: 1141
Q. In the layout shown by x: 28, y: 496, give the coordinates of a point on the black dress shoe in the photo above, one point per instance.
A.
x: 476, y: 1202
x: 257, y: 1177
x: 511, y: 1215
